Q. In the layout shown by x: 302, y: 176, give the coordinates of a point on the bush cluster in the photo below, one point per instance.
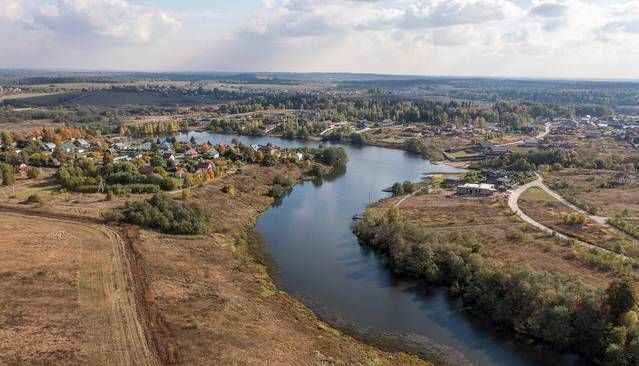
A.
x: 165, y: 214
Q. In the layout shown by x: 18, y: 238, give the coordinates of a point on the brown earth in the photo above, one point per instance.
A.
x: 64, y: 295
x: 587, y: 187
x: 217, y: 300
x: 502, y: 235
x: 74, y: 293
x: 550, y: 212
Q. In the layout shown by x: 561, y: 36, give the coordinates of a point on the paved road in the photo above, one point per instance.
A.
x: 513, y: 199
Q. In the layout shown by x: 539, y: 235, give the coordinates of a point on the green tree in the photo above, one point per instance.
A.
x: 620, y: 297
x: 7, y: 175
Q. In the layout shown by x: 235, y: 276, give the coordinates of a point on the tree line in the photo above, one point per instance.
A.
x: 565, y: 314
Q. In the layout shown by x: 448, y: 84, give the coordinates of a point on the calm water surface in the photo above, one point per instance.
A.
x: 318, y: 260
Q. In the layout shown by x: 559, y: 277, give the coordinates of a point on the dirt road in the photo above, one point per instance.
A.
x: 513, y: 199
x: 81, y: 309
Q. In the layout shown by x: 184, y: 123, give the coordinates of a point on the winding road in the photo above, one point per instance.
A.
x: 513, y: 199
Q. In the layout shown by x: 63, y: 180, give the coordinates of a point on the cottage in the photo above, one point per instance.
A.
x: 82, y: 143
x: 204, y: 167
x: 120, y: 146
x: 268, y: 150
x: 476, y: 190
x: 530, y: 143
x: 168, y: 156
x: 48, y: 147
x: 70, y: 148
x: 621, y: 178
x: 493, y: 175
x: 498, y: 150
x: 211, y: 154
x: 191, y: 153
x: 166, y: 146
x: 19, y: 167
x: 179, y: 172
x: 147, y: 146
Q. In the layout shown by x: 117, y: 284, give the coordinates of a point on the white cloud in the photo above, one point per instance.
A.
x: 11, y: 10
x: 496, y: 37
x: 92, y: 21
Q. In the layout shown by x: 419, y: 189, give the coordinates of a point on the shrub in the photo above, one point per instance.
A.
x: 276, y: 191
x: 283, y: 180
x: 575, y: 219
x: 35, y: 198
x: 34, y: 173
x: 165, y: 214
x: 7, y: 175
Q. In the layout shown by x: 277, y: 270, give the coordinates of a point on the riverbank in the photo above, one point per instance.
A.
x: 217, y: 300
x: 500, y: 266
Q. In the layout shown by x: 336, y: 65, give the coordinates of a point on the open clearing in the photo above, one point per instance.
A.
x: 502, y: 235
x: 547, y: 210
x: 65, y: 295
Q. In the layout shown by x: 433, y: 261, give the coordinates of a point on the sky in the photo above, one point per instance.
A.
x: 516, y: 38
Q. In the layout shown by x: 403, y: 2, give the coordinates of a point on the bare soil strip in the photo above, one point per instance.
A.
x: 99, y: 323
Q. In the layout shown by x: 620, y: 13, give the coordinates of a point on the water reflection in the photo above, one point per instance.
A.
x: 318, y: 260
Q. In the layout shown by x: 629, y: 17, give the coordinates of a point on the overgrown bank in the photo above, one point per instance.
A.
x: 563, y: 313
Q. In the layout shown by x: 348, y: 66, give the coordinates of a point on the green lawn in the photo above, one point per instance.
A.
x: 536, y: 194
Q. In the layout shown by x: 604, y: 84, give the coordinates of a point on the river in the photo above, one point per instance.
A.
x: 318, y: 260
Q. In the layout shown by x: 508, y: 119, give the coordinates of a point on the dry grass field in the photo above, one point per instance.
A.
x: 586, y: 186
x: 75, y: 292
x: 65, y: 296
x: 502, y: 235
x: 552, y: 213
x: 217, y: 300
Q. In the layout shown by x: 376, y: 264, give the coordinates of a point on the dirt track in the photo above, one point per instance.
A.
x: 67, y: 296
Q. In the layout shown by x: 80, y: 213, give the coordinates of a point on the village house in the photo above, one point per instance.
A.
x: 476, y: 190
x: 530, y: 143
x: 168, y: 156
x: 70, y: 148
x: 204, y: 167
x: 268, y: 150
x: 146, y: 146
x: 621, y: 178
x: 48, y: 147
x: 489, y: 148
x: 19, y: 167
x: 211, y: 154
x: 120, y: 146
x: 166, y: 146
x: 190, y: 153
x: 82, y: 143
x: 146, y: 169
